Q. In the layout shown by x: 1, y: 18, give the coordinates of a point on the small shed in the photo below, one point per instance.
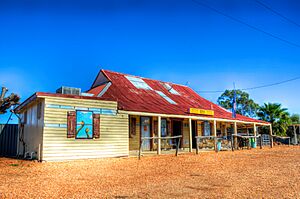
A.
x: 65, y: 127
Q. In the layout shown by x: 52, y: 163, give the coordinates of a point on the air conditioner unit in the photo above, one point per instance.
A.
x: 69, y: 90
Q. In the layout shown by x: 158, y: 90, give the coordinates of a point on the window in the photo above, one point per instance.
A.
x: 84, y: 124
x: 170, y: 89
x: 163, y: 128
x: 39, y: 110
x: 138, y: 83
x: 206, y: 128
x: 166, y: 97
x: 132, y: 127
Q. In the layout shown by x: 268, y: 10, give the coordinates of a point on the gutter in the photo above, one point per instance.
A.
x: 192, y: 117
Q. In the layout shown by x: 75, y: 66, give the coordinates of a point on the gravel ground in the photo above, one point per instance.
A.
x: 266, y: 173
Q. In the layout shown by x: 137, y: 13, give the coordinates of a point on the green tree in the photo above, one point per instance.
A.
x: 244, y: 105
x: 277, y: 116
x: 295, y: 118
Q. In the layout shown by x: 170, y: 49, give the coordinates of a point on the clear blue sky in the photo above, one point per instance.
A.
x: 46, y: 44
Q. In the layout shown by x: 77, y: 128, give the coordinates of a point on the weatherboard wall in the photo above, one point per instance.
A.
x: 30, y: 137
x: 113, y: 141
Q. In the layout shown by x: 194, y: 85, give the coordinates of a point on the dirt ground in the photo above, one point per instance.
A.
x: 266, y: 173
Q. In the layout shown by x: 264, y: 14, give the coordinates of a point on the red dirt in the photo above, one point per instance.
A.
x: 266, y: 173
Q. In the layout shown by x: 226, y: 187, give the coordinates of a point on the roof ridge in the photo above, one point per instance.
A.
x: 104, y: 70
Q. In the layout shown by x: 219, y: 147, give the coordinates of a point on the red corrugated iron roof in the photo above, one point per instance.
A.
x: 130, y: 98
x: 97, y: 90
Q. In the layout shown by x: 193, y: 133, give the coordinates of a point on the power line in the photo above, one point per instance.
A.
x: 277, y: 13
x: 215, y: 91
x: 246, y: 24
x: 274, y: 84
x: 255, y: 87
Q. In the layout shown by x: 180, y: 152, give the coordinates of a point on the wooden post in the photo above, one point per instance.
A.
x: 197, y: 146
x: 255, y: 133
x: 140, y: 151
x: 271, y: 136
x: 295, y: 135
x: 225, y: 130
x: 159, y: 136
x: 39, y: 153
x: 232, y: 143
x: 235, y: 137
x: 177, y: 145
x: 215, y: 134
x: 261, y: 141
x: 191, y: 136
x: 249, y: 147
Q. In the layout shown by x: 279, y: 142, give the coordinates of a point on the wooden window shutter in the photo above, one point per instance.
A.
x: 96, y: 125
x: 71, y: 124
x: 132, y: 127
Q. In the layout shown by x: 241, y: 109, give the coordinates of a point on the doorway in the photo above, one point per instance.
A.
x: 177, y: 129
x: 194, y: 133
x: 145, y: 132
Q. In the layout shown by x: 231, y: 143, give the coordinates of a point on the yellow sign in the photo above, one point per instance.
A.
x: 201, y: 111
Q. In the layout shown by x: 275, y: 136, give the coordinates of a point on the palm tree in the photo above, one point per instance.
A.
x: 277, y: 116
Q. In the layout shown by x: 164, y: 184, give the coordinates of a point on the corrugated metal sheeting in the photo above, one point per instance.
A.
x: 8, y: 140
x: 113, y: 141
x: 153, y: 96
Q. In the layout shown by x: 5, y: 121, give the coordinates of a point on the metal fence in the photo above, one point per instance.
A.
x: 8, y: 140
x: 265, y: 140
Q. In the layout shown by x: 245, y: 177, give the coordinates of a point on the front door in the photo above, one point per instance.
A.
x: 177, y: 129
x: 194, y: 133
x: 145, y: 129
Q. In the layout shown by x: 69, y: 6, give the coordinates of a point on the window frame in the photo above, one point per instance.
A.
x: 76, y: 128
x: 206, y: 128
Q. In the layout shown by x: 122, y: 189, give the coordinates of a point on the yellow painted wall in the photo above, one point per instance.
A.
x: 113, y: 141
x: 134, y: 141
x: 199, y: 127
x: 186, y: 134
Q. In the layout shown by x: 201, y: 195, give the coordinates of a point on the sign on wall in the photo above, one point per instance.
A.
x: 201, y: 111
